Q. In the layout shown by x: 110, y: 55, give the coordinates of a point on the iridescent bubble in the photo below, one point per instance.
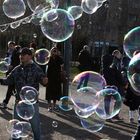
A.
x: 42, y: 56
x: 13, y: 127
x: 89, y: 6
x: 26, y: 129
x: 55, y: 124
x: 84, y: 88
x: 93, y: 123
x: 15, y: 24
x: 83, y: 114
x: 4, y: 66
x: 25, y: 110
x: 59, y: 29
x: 131, y: 41
x: 65, y: 103
x: 133, y: 73
x: 75, y: 11
x: 29, y: 94
x: 4, y: 27
x: 110, y: 105
x: 14, y: 8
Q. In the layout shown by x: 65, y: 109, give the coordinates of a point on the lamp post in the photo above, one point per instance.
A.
x: 67, y: 58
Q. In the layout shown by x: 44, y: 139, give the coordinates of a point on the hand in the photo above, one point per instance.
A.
x: 45, y: 81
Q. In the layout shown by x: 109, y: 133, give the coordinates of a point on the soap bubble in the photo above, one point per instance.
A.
x: 59, y: 29
x: 14, y: 8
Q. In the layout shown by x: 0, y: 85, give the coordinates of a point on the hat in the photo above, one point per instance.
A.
x: 25, y: 51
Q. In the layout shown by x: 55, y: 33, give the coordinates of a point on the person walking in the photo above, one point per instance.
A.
x: 84, y: 59
x: 54, y: 89
x: 27, y: 74
x: 11, y: 88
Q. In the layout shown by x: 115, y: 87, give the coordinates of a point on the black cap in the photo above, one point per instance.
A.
x: 25, y: 51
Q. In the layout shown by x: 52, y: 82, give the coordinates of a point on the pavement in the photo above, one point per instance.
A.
x: 67, y: 125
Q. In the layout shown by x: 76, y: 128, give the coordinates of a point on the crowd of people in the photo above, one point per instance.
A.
x: 114, y: 69
x: 23, y: 71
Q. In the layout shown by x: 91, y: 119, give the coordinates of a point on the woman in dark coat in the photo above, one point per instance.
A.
x: 53, y: 89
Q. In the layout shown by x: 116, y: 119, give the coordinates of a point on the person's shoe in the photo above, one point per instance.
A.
x: 3, y: 105
x: 50, y: 109
x: 131, y: 120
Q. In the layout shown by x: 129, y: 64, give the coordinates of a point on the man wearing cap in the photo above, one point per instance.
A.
x: 27, y: 74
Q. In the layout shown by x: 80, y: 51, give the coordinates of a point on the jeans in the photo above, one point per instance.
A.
x: 10, y: 90
x: 35, y: 122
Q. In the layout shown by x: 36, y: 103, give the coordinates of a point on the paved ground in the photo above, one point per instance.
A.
x: 68, y: 125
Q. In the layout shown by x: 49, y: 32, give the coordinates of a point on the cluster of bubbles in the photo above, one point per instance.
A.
x: 25, y: 110
x: 131, y: 47
x: 56, y: 24
x: 92, y: 101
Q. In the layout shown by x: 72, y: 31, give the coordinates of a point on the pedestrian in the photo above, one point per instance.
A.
x: 27, y: 74
x: 106, y: 61
x: 132, y: 101
x: 114, y: 78
x: 11, y: 88
x: 84, y: 59
x: 117, y: 57
x: 137, y: 133
x: 54, y: 89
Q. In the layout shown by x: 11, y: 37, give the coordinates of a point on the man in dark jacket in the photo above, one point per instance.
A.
x: 84, y: 59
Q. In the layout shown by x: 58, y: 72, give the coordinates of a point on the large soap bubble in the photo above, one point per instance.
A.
x: 65, y: 103
x: 24, y: 110
x: 133, y: 73
x: 84, y: 90
x: 42, y: 56
x: 26, y: 129
x: 89, y: 6
x: 75, y: 11
x: 4, y: 66
x: 14, y: 8
x: 13, y: 127
x: 59, y: 29
x: 110, y: 104
x: 131, y: 41
x: 29, y: 94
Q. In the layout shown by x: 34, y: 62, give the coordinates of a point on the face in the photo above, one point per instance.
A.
x: 119, y: 55
x: 11, y: 46
x: 25, y: 58
x: 54, y: 52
